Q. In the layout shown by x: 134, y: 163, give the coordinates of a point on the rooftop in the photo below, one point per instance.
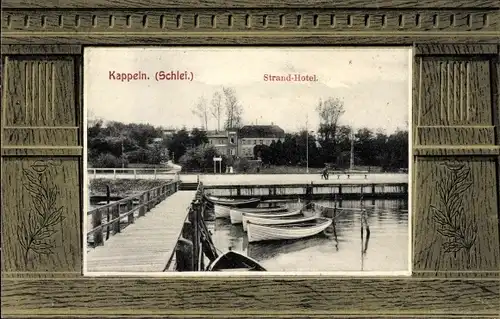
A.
x: 211, y: 134
x: 261, y: 131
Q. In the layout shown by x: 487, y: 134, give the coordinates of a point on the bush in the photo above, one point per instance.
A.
x: 138, y: 156
x: 108, y: 160
x: 242, y: 165
x: 200, y: 159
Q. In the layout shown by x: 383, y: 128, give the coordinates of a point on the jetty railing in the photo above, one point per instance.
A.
x: 195, y: 243
x: 126, y: 208
x: 133, y: 172
x: 318, y: 190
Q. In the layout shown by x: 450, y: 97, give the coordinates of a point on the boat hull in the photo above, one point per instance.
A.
x: 279, y: 221
x: 244, y: 203
x: 236, y: 214
x: 257, y: 232
x: 221, y: 211
x: 245, y: 216
x: 234, y: 261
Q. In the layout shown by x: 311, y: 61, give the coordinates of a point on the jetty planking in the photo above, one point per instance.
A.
x: 146, y: 245
x: 260, y: 179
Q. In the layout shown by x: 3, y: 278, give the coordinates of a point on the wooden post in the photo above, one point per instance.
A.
x: 108, y: 195
x: 373, y: 189
x: 115, y: 213
x: 187, y: 229
x: 142, y: 201
x: 309, y: 191
x: 184, y: 255
x: 192, y: 237
x: 135, y: 173
x: 196, y: 234
x: 154, y: 174
x: 130, y: 219
x: 148, y: 198
x: 95, y: 173
x: 114, y: 173
x: 96, y: 222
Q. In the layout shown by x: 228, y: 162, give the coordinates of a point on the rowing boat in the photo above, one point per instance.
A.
x: 221, y: 211
x: 279, y: 221
x: 234, y: 261
x: 248, y: 203
x: 258, y: 232
x: 236, y: 214
x: 245, y: 216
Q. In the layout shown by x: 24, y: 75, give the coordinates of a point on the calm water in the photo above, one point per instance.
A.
x: 385, y: 250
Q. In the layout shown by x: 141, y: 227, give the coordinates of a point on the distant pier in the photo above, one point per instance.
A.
x: 313, y: 191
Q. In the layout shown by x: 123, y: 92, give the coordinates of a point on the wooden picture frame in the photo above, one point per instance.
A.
x: 455, y: 130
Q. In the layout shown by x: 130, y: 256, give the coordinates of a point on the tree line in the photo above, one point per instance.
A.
x: 389, y: 152
x: 224, y: 107
x: 116, y: 144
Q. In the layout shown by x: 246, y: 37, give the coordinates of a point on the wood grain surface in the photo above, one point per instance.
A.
x: 249, y: 26
x: 250, y: 296
x: 456, y: 150
x: 363, y: 4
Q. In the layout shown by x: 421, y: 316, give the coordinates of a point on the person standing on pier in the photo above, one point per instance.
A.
x: 325, y: 172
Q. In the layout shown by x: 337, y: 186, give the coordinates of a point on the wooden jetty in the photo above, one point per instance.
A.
x: 312, y: 190
x: 146, y: 245
x: 195, y: 245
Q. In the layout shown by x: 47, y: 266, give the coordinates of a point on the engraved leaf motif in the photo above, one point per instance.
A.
x: 37, y: 227
x: 450, y: 215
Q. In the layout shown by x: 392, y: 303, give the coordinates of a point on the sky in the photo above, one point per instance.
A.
x: 374, y: 85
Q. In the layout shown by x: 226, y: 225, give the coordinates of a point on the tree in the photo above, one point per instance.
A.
x: 263, y: 152
x: 178, y: 144
x: 198, y: 137
x: 291, y: 150
x: 155, y: 154
x: 217, y: 108
x: 364, y: 147
x: 141, y: 133
x: 329, y: 112
x: 233, y: 108
x: 200, y: 109
x: 200, y: 159
x: 343, y: 137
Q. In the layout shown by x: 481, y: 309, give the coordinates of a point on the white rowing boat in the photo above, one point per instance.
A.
x: 257, y: 232
x: 236, y: 214
x: 245, y: 216
x: 221, y: 211
x: 280, y: 221
x: 251, y: 202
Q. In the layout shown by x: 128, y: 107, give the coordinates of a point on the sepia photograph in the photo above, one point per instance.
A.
x: 247, y: 161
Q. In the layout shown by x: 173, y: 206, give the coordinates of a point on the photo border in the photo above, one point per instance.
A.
x: 361, y: 274
x: 439, y: 287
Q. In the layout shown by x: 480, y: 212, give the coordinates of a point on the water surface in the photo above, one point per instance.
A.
x: 387, y: 248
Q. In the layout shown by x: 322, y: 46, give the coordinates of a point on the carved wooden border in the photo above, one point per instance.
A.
x: 456, y: 45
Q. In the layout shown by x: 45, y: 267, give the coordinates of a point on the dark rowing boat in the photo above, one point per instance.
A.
x: 234, y: 261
